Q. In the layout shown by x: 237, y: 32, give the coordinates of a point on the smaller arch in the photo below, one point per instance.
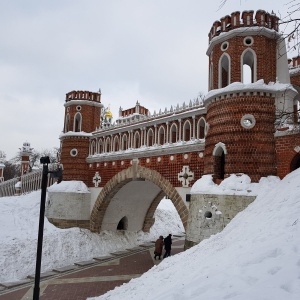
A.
x: 201, y: 128
x: 150, y: 137
x: 123, y: 224
x: 116, y: 144
x: 124, y: 145
x: 136, y: 140
x: 173, y: 133
x: 224, y: 77
x: 219, y: 160
x: 219, y: 147
x: 295, y: 163
x: 107, y: 144
x: 100, y: 146
x: 211, y: 77
x: 161, y: 135
x: 187, y: 130
x: 248, y: 58
x: 77, y: 122
x: 93, y: 147
x: 67, y: 123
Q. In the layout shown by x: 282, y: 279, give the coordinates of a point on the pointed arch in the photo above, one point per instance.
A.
x: 77, y: 122
x: 100, y: 146
x: 67, y: 123
x: 150, y: 137
x: 224, y: 77
x: 219, y: 153
x: 136, y: 140
x: 201, y: 128
x: 174, y: 133
x: 161, y: 135
x: 123, y: 224
x: 93, y: 147
x: 107, y: 144
x: 248, y: 58
x: 187, y: 131
x: 116, y: 143
x: 124, y: 145
x: 211, y: 77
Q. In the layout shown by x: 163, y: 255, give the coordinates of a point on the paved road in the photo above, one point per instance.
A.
x: 95, y: 279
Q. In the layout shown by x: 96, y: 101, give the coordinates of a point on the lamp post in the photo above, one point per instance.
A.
x: 58, y: 174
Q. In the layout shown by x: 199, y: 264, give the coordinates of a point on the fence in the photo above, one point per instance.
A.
x: 24, y: 184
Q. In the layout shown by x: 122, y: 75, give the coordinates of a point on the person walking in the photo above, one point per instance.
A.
x: 159, y: 247
x: 168, y: 243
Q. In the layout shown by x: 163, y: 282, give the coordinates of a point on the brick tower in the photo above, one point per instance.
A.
x: 25, y: 153
x: 240, y: 115
x: 82, y: 116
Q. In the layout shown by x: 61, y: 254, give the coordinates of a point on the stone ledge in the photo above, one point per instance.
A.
x: 64, y: 269
x: 13, y: 284
x: 85, y: 263
x: 43, y: 275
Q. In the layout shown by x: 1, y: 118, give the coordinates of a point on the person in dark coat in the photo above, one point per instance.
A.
x: 159, y: 247
x: 168, y: 243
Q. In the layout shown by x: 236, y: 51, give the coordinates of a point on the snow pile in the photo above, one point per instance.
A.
x: 257, y: 256
x: 71, y: 186
x: 235, y: 184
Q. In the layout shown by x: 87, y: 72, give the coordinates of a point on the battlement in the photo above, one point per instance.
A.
x: 246, y: 19
x: 83, y: 95
x: 294, y: 62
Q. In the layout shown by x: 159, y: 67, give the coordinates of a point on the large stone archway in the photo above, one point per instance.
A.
x: 137, y: 173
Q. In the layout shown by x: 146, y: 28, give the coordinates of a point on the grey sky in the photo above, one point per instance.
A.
x: 153, y: 51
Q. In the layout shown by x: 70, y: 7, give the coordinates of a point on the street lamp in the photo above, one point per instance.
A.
x: 57, y: 174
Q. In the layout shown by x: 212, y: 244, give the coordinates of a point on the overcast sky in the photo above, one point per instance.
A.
x: 153, y: 51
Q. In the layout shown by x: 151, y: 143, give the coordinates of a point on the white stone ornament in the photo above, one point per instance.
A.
x: 96, y: 179
x: 185, y: 176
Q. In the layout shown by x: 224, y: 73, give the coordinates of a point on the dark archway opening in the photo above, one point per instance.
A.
x: 123, y: 224
x: 219, y: 165
x: 295, y: 163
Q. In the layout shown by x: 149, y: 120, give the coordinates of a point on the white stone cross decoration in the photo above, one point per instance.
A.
x: 185, y: 176
x: 96, y: 179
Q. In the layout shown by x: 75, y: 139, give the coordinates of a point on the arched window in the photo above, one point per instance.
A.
x: 161, y: 135
x: 173, y: 133
x: 93, y: 148
x: 136, y: 140
x: 187, y: 132
x: 100, y: 146
x: 248, y: 66
x: 116, y: 146
x: 224, y: 70
x: 77, y: 122
x: 211, y: 76
x: 107, y: 144
x: 67, y: 123
x: 150, y: 138
x: 123, y: 224
x: 124, y: 142
x: 201, y: 129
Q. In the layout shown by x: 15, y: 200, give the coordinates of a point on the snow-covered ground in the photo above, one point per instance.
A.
x: 257, y: 256
x: 62, y: 247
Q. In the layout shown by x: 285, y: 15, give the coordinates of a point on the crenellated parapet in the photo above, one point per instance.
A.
x: 246, y: 19
x: 83, y: 95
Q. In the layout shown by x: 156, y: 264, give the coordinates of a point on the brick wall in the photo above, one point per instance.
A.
x: 250, y: 151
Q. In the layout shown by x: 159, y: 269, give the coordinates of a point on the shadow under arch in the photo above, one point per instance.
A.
x: 295, y: 163
x: 136, y: 173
